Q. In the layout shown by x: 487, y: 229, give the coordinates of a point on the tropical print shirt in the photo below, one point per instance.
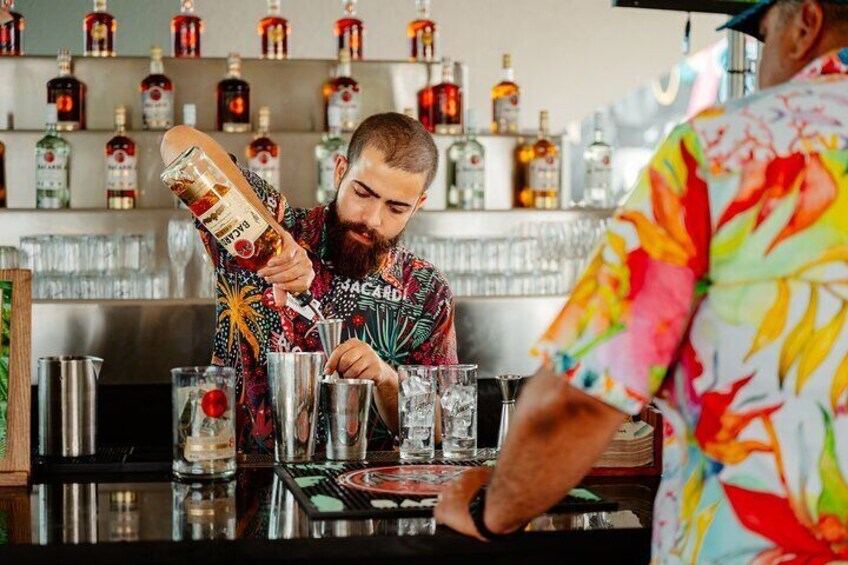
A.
x: 405, y: 312
x: 721, y: 290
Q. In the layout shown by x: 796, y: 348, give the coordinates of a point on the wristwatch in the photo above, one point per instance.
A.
x: 477, y: 509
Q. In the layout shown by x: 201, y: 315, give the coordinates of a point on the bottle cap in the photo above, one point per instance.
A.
x: 507, y: 61
x: 190, y: 115
x: 156, y: 53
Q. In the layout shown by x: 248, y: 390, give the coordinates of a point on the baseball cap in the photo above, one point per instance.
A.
x: 748, y: 22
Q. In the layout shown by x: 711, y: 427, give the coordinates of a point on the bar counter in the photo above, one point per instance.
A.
x: 143, y: 518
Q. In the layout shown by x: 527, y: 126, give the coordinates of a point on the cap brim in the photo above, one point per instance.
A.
x: 748, y: 22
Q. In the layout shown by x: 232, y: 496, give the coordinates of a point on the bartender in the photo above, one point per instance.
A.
x: 397, y: 308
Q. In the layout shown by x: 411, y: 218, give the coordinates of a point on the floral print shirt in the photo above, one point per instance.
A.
x: 721, y: 291
x: 405, y: 313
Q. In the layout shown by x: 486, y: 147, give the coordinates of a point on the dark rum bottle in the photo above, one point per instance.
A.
x: 350, y: 32
x: 506, y: 101
x: 234, y: 99
x: 121, y: 166
x: 447, y: 102
x: 426, y: 99
x: 12, y: 32
x: 99, y: 32
x: 274, y: 30
x: 68, y: 94
x: 186, y: 31
x: 422, y: 34
x: 263, y: 155
x: 342, y: 92
x: 539, y: 171
x: 157, y: 95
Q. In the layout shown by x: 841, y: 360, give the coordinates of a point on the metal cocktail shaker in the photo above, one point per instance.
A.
x: 346, y: 405
x: 67, y: 405
x: 295, y: 381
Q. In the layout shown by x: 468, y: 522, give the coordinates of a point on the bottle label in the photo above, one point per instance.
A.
x: 507, y: 110
x: 544, y: 174
x: 121, y: 172
x: 471, y: 172
x: 157, y: 106
x: 208, y: 436
x: 267, y: 167
x: 51, y: 169
x: 235, y: 224
x: 347, y: 100
x: 205, y: 448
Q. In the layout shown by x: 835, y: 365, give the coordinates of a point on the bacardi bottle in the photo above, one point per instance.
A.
x: 68, y: 94
x: 121, y: 166
x: 263, y: 155
x: 12, y: 32
x: 52, y: 167
x: 447, y: 102
x: 426, y: 99
x: 350, y: 32
x: 598, y: 161
x: 99, y: 32
x: 342, y: 92
x: 539, y: 171
x: 506, y: 101
x: 422, y: 33
x: 215, y: 201
x: 274, y: 30
x: 234, y: 99
x: 157, y: 95
x: 326, y: 156
x: 467, y: 170
x: 186, y: 31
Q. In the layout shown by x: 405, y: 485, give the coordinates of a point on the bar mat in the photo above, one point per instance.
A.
x: 106, y: 460
x: 316, y: 488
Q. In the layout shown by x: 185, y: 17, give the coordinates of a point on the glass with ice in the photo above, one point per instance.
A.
x: 417, y: 406
x: 458, y: 395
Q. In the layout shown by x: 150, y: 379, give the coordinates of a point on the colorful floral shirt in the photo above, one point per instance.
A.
x: 405, y: 313
x: 721, y: 290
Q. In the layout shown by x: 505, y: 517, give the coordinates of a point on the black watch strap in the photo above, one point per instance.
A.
x: 477, y: 509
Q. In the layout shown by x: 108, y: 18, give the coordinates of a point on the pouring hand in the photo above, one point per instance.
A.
x: 289, y: 271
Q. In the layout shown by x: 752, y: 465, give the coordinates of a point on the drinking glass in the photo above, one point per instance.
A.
x: 180, y: 250
x: 457, y: 385
x: 417, y: 405
x: 8, y: 258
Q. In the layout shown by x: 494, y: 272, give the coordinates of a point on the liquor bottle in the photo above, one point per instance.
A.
x: 423, y: 34
x: 186, y: 31
x: 214, y: 200
x: 52, y: 166
x: 426, y: 98
x: 157, y: 95
x: 350, y: 32
x: 99, y: 32
x: 506, y: 101
x: 3, y: 202
x: 539, y: 170
x: 326, y: 154
x: 447, y: 102
x: 12, y: 32
x: 263, y: 155
x: 234, y: 99
x: 342, y: 92
x: 121, y: 166
x: 467, y: 170
x: 274, y: 31
x: 598, y: 161
x: 68, y: 93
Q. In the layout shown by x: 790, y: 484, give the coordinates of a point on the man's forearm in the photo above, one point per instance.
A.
x: 557, y: 435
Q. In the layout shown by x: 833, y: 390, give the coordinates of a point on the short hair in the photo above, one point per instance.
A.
x: 404, y: 143
x: 834, y: 14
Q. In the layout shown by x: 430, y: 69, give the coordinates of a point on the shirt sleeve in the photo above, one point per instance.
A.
x: 620, y: 331
x: 439, y: 348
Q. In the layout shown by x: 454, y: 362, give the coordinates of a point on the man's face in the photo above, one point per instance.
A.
x: 794, y: 34
x: 776, y: 66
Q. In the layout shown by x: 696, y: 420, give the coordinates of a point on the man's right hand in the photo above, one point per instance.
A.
x: 289, y: 271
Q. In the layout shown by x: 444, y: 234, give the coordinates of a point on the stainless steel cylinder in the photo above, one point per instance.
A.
x: 346, y: 404
x: 295, y: 381
x: 67, y: 405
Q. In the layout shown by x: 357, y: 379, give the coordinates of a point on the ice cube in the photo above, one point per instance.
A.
x: 420, y: 433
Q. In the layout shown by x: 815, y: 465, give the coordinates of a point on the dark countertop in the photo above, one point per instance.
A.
x: 127, y: 519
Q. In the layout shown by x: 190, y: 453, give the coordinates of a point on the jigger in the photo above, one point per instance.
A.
x: 330, y: 332
x: 508, y: 384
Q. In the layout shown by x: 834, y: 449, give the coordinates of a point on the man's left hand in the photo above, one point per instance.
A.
x: 354, y: 359
x: 452, y: 510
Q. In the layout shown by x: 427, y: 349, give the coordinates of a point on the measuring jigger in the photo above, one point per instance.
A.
x: 330, y: 332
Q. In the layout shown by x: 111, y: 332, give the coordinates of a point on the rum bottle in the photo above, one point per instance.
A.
x: 506, y: 101
x: 12, y: 32
x: 234, y: 99
x: 99, y: 32
x: 157, y: 95
x: 447, y: 102
x: 215, y: 201
x: 422, y: 33
x: 186, y: 31
x: 426, y: 99
x: 539, y: 171
x: 598, y: 161
x: 350, y: 31
x: 467, y: 170
x: 263, y: 155
x: 327, y: 154
x: 342, y: 92
x: 274, y: 31
x: 68, y: 94
x: 52, y: 166
x: 121, y: 166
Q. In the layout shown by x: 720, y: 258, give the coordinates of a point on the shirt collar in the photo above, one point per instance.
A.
x: 833, y: 63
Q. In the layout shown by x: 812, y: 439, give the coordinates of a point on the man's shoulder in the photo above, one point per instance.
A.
x: 422, y: 270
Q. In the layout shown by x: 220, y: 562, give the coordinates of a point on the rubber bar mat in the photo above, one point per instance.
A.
x: 106, y: 460
x: 316, y: 488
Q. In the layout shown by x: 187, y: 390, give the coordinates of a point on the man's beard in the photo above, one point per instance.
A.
x: 349, y: 257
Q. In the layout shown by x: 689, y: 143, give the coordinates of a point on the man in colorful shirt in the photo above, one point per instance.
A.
x: 722, y: 292
x: 397, y: 309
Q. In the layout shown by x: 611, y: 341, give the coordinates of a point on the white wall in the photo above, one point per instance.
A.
x: 571, y: 56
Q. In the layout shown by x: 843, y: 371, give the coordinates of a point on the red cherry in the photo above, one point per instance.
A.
x: 214, y: 403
